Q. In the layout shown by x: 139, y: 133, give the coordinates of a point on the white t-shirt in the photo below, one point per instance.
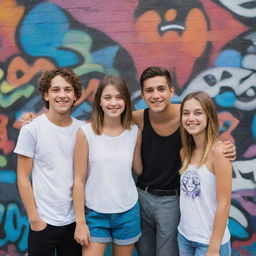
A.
x: 110, y: 187
x: 198, y: 205
x: 51, y: 148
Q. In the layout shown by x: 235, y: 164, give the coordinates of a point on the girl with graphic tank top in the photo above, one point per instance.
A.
x: 205, y: 184
x: 106, y: 150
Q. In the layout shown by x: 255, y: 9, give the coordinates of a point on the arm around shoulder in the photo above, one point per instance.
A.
x: 138, y: 117
x: 137, y: 161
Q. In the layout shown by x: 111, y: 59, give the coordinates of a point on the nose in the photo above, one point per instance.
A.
x: 62, y: 94
x: 191, y: 116
x: 155, y: 94
x: 113, y: 102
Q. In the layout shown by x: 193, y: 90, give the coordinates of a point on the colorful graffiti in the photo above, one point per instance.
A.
x: 210, y: 44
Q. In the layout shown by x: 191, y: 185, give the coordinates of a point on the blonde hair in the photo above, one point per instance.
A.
x: 98, y: 114
x: 211, y: 130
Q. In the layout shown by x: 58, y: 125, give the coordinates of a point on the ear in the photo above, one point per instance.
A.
x: 172, y: 91
x: 46, y: 96
x: 141, y: 94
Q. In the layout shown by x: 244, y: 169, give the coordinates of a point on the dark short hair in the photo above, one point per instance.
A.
x: 154, y: 71
x: 45, y: 80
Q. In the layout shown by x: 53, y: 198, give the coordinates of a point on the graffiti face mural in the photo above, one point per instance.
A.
x: 211, y: 44
x: 169, y: 29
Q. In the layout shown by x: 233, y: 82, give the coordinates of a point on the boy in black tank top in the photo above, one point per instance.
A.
x: 158, y: 185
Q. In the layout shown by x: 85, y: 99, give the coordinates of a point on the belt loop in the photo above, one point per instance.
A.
x: 146, y: 189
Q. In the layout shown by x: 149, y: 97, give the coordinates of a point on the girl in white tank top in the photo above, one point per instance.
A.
x: 206, y: 178
x: 106, y: 151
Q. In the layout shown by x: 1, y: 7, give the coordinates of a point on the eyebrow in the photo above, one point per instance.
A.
x: 185, y: 109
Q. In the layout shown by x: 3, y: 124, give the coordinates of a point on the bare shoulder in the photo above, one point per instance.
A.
x: 217, y: 156
x: 217, y: 149
x: 138, y: 117
x: 176, y: 109
x: 177, y: 106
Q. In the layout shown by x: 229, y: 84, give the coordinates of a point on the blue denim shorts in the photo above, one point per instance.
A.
x: 190, y: 248
x: 121, y: 228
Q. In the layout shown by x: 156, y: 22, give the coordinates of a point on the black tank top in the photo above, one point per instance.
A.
x: 161, y: 157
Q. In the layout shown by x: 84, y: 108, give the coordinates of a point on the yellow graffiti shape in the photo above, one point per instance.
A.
x: 5, y: 87
x: 7, y: 100
x: 18, y: 64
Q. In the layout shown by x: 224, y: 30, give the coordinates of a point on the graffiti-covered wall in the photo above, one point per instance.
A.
x: 210, y: 44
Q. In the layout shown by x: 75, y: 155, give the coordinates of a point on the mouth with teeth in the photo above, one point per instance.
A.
x: 156, y: 102
x: 62, y: 102
x: 192, y: 125
x: 114, y: 109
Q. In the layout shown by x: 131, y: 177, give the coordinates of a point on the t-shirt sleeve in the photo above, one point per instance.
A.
x: 26, y: 142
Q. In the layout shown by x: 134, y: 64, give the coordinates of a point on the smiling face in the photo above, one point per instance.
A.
x: 194, y: 118
x: 112, y: 102
x: 157, y: 93
x: 60, y: 95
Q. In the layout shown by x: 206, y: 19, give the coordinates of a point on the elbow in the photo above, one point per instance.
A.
x: 137, y: 172
x: 224, y: 208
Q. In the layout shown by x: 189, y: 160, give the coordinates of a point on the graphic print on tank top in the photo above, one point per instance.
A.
x: 190, y: 184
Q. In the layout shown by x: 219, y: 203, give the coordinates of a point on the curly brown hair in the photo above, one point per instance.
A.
x: 45, y: 79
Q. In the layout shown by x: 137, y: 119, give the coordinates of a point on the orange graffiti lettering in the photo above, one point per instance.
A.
x: 27, y: 71
x: 89, y: 92
x: 5, y: 144
x: 10, y: 16
x: 226, y: 116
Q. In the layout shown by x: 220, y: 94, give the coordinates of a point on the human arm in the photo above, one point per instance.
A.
x: 82, y: 233
x: 223, y: 172
x: 137, y: 161
x: 229, y: 150
x: 27, y: 117
x: 24, y: 168
x: 138, y: 118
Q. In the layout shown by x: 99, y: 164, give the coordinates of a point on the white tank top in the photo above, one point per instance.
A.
x: 198, y: 205
x: 110, y: 187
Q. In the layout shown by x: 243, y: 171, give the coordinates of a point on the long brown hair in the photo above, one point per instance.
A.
x: 211, y: 130
x: 98, y: 114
